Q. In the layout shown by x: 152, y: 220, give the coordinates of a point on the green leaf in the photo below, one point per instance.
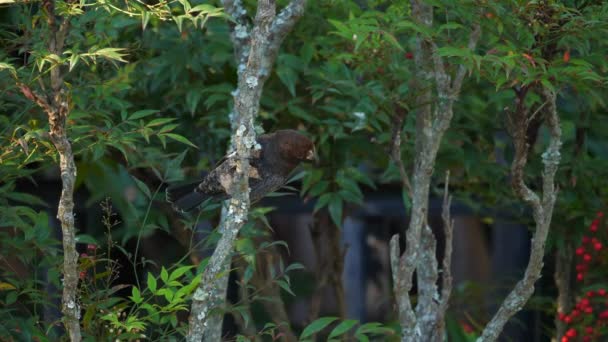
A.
x: 145, y: 18
x: 322, y: 201
x: 74, y: 58
x: 452, y: 51
x: 179, y: 138
x: 151, y: 282
x: 192, y: 99
x: 373, y: 328
x: 180, y: 271
x: 160, y: 121
x: 391, y: 40
x: 317, y: 326
x: 283, y: 284
x: 25, y: 198
x: 110, y: 53
x: 335, y: 210
x: 288, y: 77
x: 10, y: 68
x: 294, y: 266
x: 135, y: 295
x: 164, y: 275
x: 342, y: 328
x: 142, y: 187
x: 142, y: 113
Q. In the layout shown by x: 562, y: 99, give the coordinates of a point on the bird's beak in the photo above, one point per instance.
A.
x: 310, y: 155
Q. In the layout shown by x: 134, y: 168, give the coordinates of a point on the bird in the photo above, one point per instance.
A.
x: 270, y: 166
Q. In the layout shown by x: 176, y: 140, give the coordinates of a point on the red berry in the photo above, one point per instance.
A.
x: 83, y: 274
x: 601, y: 292
x: 565, y: 339
x: 585, y: 302
x: 598, y: 246
x: 567, y: 319
x: 588, y: 310
x: 600, y: 214
x: 580, y: 277
x: 580, y: 251
x: 581, y: 267
x: 571, y: 332
x: 589, y: 330
x: 594, y: 240
x: 594, y: 224
x: 409, y: 55
x: 590, y: 294
x: 84, y: 255
x: 575, y: 313
x: 586, y: 239
x: 586, y: 338
x: 604, y: 314
x: 587, y: 257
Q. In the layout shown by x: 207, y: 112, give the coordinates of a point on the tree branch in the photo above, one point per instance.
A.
x: 262, y: 46
x: 542, y: 210
x: 433, y: 117
x: 446, y: 277
x: 56, y: 108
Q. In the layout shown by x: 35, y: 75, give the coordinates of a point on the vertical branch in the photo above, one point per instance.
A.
x: 542, y: 208
x: 446, y: 276
x: 255, y: 53
x: 55, y: 105
x: 563, y: 282
x: 433, y: 118
x: 329, y: 263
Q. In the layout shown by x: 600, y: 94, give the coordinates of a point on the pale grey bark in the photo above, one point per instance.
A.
x: 256, y: 50
x: 55, y: 105
x: 542, y: 207
x: 433, y: 117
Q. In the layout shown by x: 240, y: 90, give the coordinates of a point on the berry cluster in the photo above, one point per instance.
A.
x: 591, y: 246
x: 587, y: 320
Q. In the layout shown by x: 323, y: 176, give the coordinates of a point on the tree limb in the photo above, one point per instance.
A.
x: 262, y: 45
x: 56, y: 106
x: 542, y: 210
x: 433, y: 117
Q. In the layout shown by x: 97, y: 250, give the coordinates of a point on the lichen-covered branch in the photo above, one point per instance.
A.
x: 56, y: 106
x: 256, y: 51
x: 433, y: 117
x: 542, y: 208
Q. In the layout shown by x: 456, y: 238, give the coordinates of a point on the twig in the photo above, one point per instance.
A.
x: 399, y: 117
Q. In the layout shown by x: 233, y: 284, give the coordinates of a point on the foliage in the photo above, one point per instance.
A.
x: 150, y: 87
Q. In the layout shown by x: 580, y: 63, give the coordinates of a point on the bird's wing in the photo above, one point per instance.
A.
x: 220, y: 179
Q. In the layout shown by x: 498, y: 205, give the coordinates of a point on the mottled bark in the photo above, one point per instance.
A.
x: 255, y: 51
x: 542, y: 207
x: 55, y: 105
x: 433, y: 116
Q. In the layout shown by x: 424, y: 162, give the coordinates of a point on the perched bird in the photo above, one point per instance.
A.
x: 280, y: 153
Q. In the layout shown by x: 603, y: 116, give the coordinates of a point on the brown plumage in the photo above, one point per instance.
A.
x: 281, y: 152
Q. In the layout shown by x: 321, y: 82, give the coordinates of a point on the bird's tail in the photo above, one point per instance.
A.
x: 183, y: 197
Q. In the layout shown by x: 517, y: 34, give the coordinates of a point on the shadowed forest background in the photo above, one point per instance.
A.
x: 468, y: 105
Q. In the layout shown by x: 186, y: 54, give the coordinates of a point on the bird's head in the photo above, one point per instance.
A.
x: 295, y: 146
